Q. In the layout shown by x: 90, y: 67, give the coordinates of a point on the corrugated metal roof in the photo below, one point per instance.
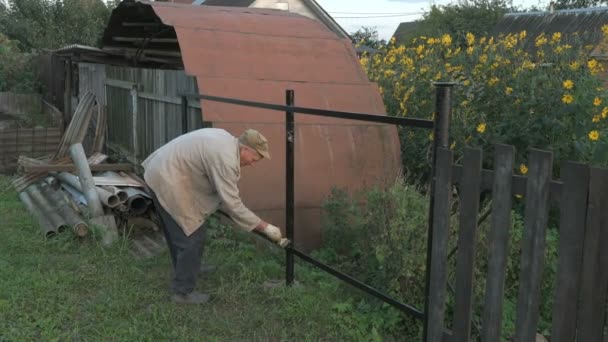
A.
x: 586, y: 23
x: 256, y: 54
x: 404, y: 29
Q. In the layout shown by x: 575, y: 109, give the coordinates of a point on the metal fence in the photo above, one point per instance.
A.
x: 440, y: 127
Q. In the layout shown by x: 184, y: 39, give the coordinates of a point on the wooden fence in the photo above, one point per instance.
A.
x: 31, y: 142
x: 30, y: 107
x: 579, y: 304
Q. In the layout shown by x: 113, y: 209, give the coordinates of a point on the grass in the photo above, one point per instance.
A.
x: 70, y: 289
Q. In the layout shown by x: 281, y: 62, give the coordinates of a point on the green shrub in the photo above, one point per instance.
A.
x: 380, y: 237
x: 16, y: 68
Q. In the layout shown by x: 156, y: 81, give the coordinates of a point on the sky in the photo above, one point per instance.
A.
x: 385, y: 15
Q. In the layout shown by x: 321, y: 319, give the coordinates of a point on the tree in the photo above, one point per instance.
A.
x: 16, y: 73
x: 478, y: 17
x: 50, y: 24
x: 368, y: 36
x: 568, y: 4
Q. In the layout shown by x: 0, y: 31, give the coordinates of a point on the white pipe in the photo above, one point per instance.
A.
x: 107, y: 198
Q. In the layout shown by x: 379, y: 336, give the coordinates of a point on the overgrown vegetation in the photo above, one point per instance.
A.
x: 16, y: 68
x: 548, y: 97
x: 379, y: 236
x: 30, y: 27
x: 50, y: 24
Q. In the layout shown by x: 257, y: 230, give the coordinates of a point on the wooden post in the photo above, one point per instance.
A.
x: 533, y: 244
x: 469, y: 208
x: 439, y: 257
x: 498, y: 242
x: 573, y: 211
x: 134, y: 110
x: 594, y: 281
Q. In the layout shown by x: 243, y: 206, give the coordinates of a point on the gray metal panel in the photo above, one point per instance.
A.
x: 91, y: 78
x: 586, y: 24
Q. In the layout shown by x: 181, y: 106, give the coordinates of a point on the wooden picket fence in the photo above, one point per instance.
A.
x: 581, y: 195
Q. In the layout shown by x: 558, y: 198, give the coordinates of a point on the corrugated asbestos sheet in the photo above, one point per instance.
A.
x: 257, y: 54
x: 585, y: 23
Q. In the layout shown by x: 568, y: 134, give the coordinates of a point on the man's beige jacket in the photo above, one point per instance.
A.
x: 196, y: 174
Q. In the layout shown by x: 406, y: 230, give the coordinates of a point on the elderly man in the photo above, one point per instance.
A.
x: 192, y: 177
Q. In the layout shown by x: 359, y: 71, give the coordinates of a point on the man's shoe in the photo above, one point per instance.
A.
x: 190, y: 298
x: 208, y: 268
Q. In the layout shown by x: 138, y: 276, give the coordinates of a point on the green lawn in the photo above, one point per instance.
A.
x: 65, y: 289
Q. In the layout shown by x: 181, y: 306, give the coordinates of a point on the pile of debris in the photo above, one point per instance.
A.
x: 70, y: 191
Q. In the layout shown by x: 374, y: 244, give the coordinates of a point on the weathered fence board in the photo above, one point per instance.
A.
x: 469, y: 208
x: 498, y: 242
x: 533, y: 244
x: 594, y: 281
x: 518, y: 186
x: 31, y: 142
x: 573, y: 211
x: 20, y: 104
x: 441, y: 232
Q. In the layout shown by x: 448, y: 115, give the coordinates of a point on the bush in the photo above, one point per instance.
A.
x: 380, y: 236
x: 16, y: 68
x: 542, y: 92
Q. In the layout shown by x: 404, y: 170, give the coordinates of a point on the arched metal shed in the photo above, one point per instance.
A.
x: 256, y: 54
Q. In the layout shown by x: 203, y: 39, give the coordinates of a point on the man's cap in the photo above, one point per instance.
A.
x: 255, y: 140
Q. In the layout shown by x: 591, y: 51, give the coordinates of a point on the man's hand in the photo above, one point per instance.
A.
x: 273, y: 233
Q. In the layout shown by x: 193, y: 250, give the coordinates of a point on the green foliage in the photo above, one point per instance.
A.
x: 478, y: 17
x: 379, y: 236
x: 368, y: 36
x: 16, y: 70
x: 51, y: 24
x: 571, y: 4
x: 550, y: 98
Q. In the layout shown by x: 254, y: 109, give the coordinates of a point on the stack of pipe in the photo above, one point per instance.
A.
x: 52, y: 211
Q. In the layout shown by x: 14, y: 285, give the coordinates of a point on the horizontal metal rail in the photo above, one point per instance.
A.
x: 412, y: 311
x: 420, y: 123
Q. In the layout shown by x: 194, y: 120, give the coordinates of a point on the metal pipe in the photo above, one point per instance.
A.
x: 107, y: 198
x: 289, y: 190
x: 49, y: 210
x: 106, y: 223
x: 76, y: 195
x: 412, y: 122
x: 79, y: 226
x: 138, y: 201
x: 406, y: 308
x: 120, y: 193
x: 143, y: 40
x: 443, y: 112
x: 43, y: 221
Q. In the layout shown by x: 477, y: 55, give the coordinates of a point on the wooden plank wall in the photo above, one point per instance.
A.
x: 31, y: 142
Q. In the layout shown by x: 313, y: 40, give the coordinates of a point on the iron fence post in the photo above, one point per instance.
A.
x: 289, y: 180
x: 441, y: 118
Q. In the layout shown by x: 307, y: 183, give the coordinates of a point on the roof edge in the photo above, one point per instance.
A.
x: 327, y: 19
